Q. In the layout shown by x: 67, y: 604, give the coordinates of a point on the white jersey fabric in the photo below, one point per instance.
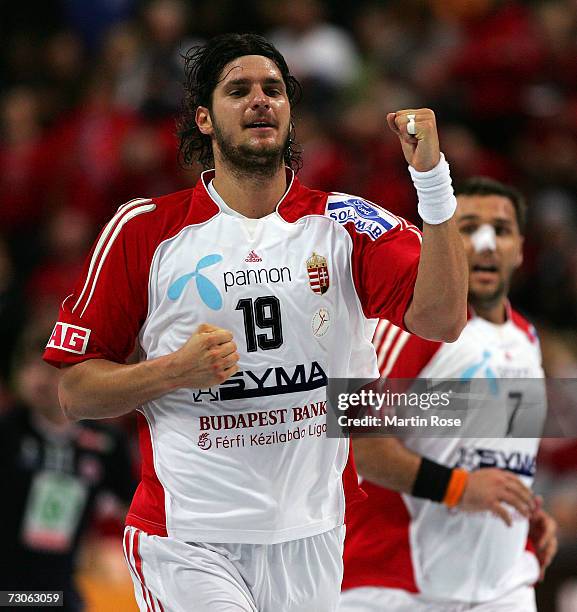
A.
x: 399, y: 541
x: 248, y: 461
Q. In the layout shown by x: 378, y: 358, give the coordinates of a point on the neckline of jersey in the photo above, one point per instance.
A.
x: 472, y: 314
x: 207, y: 177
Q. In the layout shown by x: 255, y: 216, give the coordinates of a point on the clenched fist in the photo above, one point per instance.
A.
x: 207, y: 358
x: 421, y: 149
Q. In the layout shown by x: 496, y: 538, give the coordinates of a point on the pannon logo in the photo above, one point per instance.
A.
x: 207, y: 290
x: 484, y: 367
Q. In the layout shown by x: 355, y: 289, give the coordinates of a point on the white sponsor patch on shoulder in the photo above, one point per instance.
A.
x: 69, y: 338
x: 368, y: 218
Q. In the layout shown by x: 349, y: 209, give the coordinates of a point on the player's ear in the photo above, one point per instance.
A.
x: 204, y: 120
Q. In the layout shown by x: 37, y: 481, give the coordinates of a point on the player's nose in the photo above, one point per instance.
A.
x: 484, y: 238
x: 259, y: 98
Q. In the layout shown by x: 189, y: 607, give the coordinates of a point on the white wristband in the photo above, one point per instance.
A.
x: 437, y: 202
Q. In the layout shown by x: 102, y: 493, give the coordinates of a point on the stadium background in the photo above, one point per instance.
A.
x: 88, y: 96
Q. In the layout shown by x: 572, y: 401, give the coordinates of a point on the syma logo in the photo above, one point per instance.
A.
x: 207, y: 290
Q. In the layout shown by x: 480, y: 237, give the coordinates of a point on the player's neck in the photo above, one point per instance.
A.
x: 252, y: 196
x: 493, y: 312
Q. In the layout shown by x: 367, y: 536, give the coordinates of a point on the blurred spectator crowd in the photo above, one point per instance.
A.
x: 89, y: 92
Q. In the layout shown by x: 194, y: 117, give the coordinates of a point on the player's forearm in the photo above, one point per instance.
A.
x: 438, y: 310
x: 97, y: 388
x: 386, y: 462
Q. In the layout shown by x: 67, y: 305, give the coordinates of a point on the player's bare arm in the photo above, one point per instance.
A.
x: 98, y: 388
x: 438, y: 308
x: 388, y: 463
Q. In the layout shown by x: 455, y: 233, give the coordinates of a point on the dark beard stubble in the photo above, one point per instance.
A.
x: 486, y: 302
x: 243, y: 160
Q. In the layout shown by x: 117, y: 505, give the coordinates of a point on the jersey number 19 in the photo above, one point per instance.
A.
x: 264, y: 313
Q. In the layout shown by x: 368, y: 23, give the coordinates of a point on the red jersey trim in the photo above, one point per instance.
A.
x: 525, y: 326
x: 107, y: 237
x: 297, y: 202
x: 530, y: 548
x: 353, y: 492
x: 401, y: 354
x: 147, y: 511
x: 377, y: 551
x: 518, y: 320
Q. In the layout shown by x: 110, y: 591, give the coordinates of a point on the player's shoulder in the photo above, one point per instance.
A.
x: 175, y: 200
x: 194, y: 201
x: 522, y: 324
x: 134, y: 223
x: 301, y: 201
x: 363, y: 216
x: 150, y: 211
x: 157, y: 218
x: 337, y: 201
x: 136, y: 215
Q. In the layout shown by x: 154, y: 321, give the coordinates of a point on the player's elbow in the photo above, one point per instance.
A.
x: 448, y: 334
x: 67, y: 405
x: 458, y: 325
x: 438, y: 329
x: 68, y: 397
x: 437, y: 322
x: 452, y: 333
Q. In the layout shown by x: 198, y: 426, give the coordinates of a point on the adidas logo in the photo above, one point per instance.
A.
x: 252, y: 257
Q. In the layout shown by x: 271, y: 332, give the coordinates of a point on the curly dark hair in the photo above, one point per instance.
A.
x: 203, y: 66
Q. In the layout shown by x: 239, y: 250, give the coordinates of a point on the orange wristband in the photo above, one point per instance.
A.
x: 456, y: 487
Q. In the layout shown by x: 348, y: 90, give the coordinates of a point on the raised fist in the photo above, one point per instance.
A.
x: 417, y: 131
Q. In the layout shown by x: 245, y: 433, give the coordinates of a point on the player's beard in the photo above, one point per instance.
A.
x: 245, y: 159
x: 486, y: 301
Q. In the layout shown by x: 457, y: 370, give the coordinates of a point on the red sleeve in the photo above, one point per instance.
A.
x: 384, y: 272
x: 385, y: 256
x: 401, y: 354
x: 102, y: 317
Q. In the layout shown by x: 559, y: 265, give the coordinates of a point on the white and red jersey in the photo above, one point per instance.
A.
x: 399, y: 541
x: 248, y: 461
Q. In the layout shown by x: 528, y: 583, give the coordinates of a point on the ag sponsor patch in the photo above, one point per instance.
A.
x: 69, y: 338
x: 367, y: 218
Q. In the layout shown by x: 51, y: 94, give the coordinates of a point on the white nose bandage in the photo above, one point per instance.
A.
x: 484, y: 238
